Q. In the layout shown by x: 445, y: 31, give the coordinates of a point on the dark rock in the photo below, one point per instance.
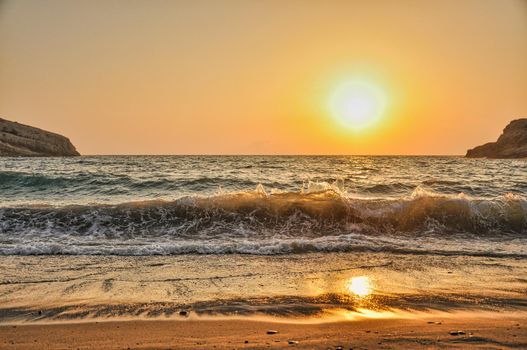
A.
x: 183, y: 313
x: 23, y: 140
x: 272, y: 332
x: 511, y: 144
x: 292, y: 342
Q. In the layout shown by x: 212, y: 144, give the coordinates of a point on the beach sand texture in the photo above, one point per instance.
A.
x: 420, y: 333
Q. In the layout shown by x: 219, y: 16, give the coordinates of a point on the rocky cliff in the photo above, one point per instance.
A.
x: 23, y: 140
x: 511, y: 144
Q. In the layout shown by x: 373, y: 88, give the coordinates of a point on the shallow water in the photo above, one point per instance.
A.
x: 148, y: 236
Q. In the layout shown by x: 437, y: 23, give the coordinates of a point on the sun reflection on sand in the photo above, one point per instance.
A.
x: 359, y: 286
x: 367, y: 313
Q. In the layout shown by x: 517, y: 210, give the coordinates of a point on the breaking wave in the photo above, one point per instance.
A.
x: 257, y: 222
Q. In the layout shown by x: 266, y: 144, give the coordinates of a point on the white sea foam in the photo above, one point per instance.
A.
x: 256, y: 222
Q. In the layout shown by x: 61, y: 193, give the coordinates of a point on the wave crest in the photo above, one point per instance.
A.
x: 306, y: 213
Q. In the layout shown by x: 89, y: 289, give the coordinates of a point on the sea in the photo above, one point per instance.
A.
x: 283, y: 236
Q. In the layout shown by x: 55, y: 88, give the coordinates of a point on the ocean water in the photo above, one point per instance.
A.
x: 287, y: 236
x: 169, y: 205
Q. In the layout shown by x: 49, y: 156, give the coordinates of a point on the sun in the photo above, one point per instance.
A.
x: 357, y: 104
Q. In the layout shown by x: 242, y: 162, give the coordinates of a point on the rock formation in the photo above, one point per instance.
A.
x: 23, y: 140
x: 511, y: 144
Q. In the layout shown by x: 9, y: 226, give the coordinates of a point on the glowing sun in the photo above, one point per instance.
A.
x: 357, y: 104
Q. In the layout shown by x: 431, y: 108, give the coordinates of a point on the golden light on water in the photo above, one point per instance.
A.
x: 357, y: 104
x: 360, y: 286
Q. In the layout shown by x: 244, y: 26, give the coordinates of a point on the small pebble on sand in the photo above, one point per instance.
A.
x: 457, y: 332
x: 272, y: 331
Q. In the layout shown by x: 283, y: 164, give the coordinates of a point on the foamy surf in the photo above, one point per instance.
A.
x: 319, y: 218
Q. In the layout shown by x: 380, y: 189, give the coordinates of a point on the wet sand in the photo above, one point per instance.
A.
x: 72, y: 288
x: 500, y: 332
x: 406, y: 302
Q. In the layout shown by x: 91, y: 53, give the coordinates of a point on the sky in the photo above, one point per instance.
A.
x: 260, y: 77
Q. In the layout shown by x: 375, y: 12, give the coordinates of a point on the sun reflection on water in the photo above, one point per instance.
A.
x: 359, y: 286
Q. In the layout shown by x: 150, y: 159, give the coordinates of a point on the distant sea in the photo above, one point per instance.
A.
x: 192, y: 230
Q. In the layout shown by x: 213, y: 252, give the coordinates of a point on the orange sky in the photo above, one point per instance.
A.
x: 255, y: 77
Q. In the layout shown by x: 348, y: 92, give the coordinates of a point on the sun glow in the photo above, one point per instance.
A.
x: 359, y: 286
x: 357, y: 104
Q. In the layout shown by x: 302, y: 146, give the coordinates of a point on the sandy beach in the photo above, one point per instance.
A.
x: 480, y: 332
x: 83, y: 302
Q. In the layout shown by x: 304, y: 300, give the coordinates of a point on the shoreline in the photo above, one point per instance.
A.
x: 504, y: 331
x: 326, y: 316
